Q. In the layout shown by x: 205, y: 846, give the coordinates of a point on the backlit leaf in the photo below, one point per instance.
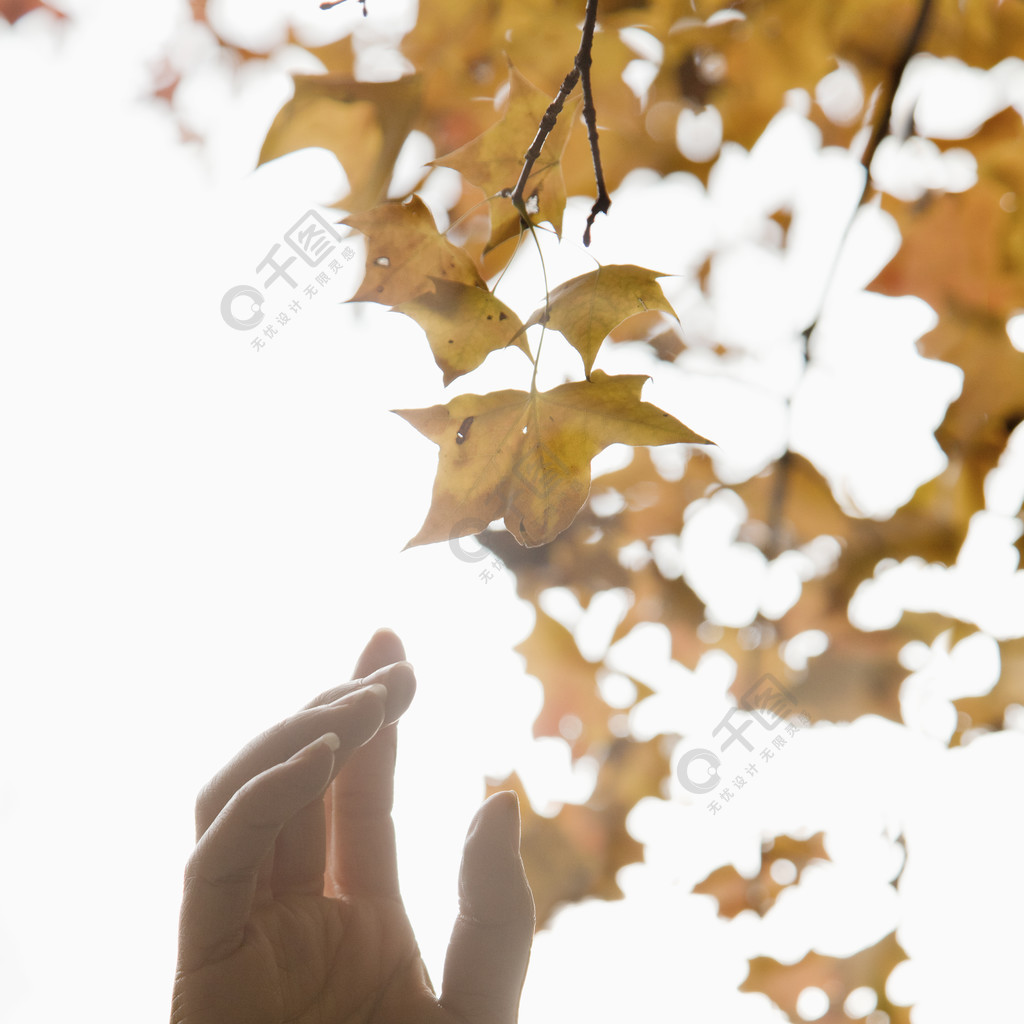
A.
x: 494, y: 160
x: 579, y: 851
x: 406, y: 252
x: 329, y: 110
x: 525, y: 457
x: 463, y: 324
x: 837, y: 976
x: 586, y: 308
x: 735, y: 893
x: 551, y: 653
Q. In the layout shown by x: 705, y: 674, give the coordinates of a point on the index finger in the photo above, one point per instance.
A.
x: 327, y: 713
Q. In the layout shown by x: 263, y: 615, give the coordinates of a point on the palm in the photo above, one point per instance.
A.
x: 312, y: 959
x: 261, y: 943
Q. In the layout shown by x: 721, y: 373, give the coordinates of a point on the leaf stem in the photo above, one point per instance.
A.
x: 547, y: 307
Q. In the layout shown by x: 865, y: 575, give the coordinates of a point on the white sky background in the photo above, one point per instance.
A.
x: 196, y: 538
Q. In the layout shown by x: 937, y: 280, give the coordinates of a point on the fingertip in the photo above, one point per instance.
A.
x: 493, y: 875
x: 383, y: 648
x: 401, y: 688
x: 490, y: 945
x: 503, y: 809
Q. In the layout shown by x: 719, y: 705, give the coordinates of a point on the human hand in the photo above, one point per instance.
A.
x: 292, y: 911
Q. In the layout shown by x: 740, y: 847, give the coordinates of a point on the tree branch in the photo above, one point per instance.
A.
x: 881, y: 131
x: 580, y: 70
x: 328, y: 4
x: 882, y: 128
x: 895, y: 77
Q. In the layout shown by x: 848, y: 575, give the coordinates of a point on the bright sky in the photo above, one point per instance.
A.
x: 197, y: 537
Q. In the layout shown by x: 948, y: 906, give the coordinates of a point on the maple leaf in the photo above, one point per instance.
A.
x: 838, y: 976
x: 735, y: 893
x: 578, y: 852
x: 551, y: 652
x: 406, y: 253
x: 329, y: 110
x: 588, y: 307
x: 464, y: 324
x: 494, y: 160
x: 525, y: 456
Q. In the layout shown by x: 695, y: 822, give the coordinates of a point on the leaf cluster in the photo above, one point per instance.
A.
x: 520, y: 456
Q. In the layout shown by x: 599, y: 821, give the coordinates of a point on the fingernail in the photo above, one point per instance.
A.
x: 379, y: 689
x: 390, y: 669
x: 308, y: 752
x: 509, y: 801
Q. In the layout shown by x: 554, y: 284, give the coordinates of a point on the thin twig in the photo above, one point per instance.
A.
x: 547, y: 123
x: 882, y: 127
x: 584, y: 59
x: 895, y: 77
x: 328, y: 4
x: 580, y: 70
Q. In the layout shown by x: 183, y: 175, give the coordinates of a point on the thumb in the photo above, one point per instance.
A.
x: 489, y: 949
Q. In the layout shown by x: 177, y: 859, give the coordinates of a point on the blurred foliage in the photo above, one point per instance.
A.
x: 962, y: 252
x: 12, y: 10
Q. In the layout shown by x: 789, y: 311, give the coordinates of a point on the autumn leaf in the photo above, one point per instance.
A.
x: 464, y: 324
x: 525, y: 457
x: 735, y: 893
x: 551, y: 653
x: 837, y: 976
x: 963, y: 253
x: 586, y: 308
x: 406, y: 253
x: 328, y: 110
x: 579, y: 851
x: 494, y: 160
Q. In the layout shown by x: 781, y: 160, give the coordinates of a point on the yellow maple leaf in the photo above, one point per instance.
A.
x: 330, y: 110
x: 586, y: 308
x: 406, y: 253
x: 494, y: 160
x: 525, y: 456
x: 463, y: 324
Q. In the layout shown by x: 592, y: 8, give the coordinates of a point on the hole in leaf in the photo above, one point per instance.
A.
x: 812, y: 1003
x: 463, y: 431
x: 783, y: 871
x: 860, y: 1002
